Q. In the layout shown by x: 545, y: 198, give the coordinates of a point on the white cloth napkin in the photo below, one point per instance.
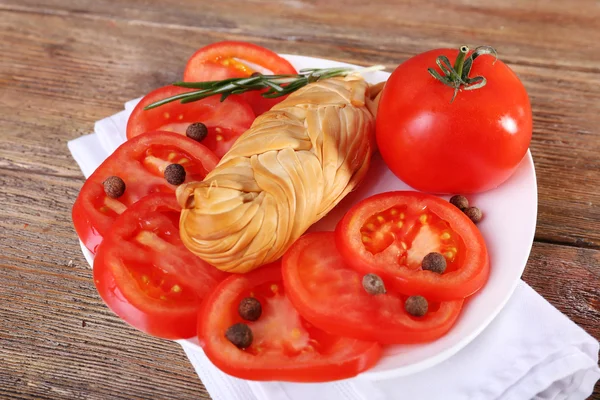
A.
x: 530, y: 351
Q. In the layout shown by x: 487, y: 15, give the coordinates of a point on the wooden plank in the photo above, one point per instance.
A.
x: 542, y: 32
x: 41, y: 108
x: 568, y: 278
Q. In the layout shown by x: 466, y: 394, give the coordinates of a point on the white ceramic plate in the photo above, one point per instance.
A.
x: 508, y: 228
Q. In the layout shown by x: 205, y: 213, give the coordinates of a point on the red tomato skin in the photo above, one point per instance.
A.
x: 84, y: 227
x: 367, y: 354
x: 233, y: 115
x: 372, y: 327
x: 470, y: 145
x: 89, y: 224
x: 450, y: 286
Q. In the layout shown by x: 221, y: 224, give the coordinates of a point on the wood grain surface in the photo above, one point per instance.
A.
x: 67, y: 63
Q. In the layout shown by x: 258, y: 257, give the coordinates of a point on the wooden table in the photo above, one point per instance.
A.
x: 67, y: 63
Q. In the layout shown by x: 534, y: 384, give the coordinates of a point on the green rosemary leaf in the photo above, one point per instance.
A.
x: 276, y: 85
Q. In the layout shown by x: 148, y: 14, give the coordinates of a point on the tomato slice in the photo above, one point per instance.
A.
x: 225, y: 121
x: 146, y: 275
x: 224, y: 60
x: 285, y: 347
x: 140, y: 162
x: 389, y: 234
x: 329, y: 294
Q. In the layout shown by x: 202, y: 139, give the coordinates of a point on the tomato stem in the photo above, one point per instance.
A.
x: 457, y: 76
x: 460, y: 60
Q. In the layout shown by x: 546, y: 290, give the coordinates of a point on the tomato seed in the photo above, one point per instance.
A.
x: 250, y: 309
x: 416, y: 306
x: 114, y: 187
x: 240, y: 335
x: 434, y: 262
x: 373, y: 284
x: 176, y: 289
x: 445, y: 236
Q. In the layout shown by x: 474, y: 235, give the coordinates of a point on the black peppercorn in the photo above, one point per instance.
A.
x: 474, y: 214
x: 459, y: 201
x: 240, y: 335
x: 434, y: 262
x: 373, y: 284
x: 175, y: 174
x: 197, y: 131
x: 250, y: 309
x: 114, y: 187
x: 416, y: 306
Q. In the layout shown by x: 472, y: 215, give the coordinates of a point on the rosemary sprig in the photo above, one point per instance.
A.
x: 277, y: 85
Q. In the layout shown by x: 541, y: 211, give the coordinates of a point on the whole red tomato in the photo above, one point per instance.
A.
x: 470, y: 144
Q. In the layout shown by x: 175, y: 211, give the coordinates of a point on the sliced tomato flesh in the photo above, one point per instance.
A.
x: 225, y: 121
x: 230, y: 59
x: 389, y: 234
x: 141, y: 163
x: 285, y: 346
x: 239, y: 57
x: 146, y: 275
x: 412, y: 237
x: 329, y: 294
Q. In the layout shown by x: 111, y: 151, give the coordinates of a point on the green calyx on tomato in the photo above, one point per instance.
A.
x: 457, y: 76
